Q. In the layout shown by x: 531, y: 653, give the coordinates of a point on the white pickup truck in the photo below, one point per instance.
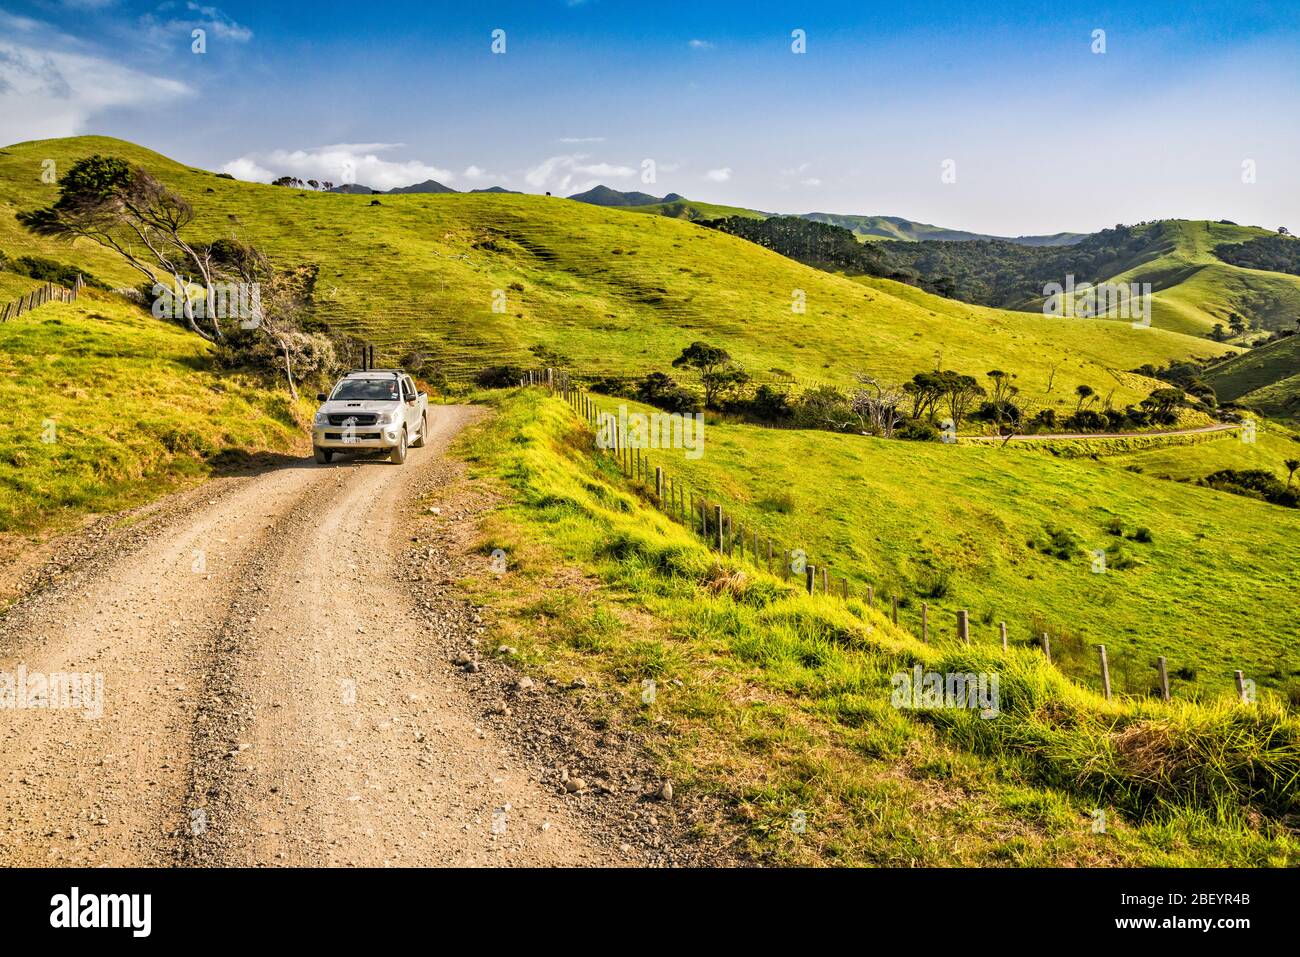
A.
x: 373, y: 409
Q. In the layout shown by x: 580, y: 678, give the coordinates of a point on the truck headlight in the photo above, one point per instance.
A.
x: 321, y: 418
x: 390, y: 418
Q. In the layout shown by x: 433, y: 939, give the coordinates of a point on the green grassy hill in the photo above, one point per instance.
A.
x: 695, y: 210
x: 106, y: 407
x: 780, y: 704
x: 1266, y: 379
x: 970, y: 527
x: 611, y: 292
x: 895, y: 227
x: 1192, y: 289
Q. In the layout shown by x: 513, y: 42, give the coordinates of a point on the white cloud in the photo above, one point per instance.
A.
x: 810, y: 181
x: 339, y: 163
x: 45, y: 92
x: 581, y: 139
x: 719, y: 175
x: 211, y: 19
x: 477, y: 174
x: 572, y: 173
x: 700, y: 45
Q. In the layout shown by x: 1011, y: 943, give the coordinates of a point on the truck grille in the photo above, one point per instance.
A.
x: 367, y: 418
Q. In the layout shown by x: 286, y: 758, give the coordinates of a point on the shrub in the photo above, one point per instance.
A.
x: 662, y: 391
x: 1088, y: 420
x: 771, y: 404
x: 1059, y: 543
x: 917, y: 430
x: 1253, y: 483
x: 498, y: 377
x: 782, y: 502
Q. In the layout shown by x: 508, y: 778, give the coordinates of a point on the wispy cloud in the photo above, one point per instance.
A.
x: 700, y: 45
x: 799, y: 175
x: 720, y: 175
x: 573, y: 173
x: 339, y: 163
x: 169, y: 29
x: 581, y: 139
x: 48, y: 90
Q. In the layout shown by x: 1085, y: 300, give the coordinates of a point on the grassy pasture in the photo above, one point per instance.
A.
x: 972, y: 527
x: 106, y: 407
x: 612, y: 292
x: 779, y: 703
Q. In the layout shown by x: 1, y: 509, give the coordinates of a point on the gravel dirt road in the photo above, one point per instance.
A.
x: 271, y: 695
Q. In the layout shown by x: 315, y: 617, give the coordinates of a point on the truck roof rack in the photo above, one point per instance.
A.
x: 392, y: 371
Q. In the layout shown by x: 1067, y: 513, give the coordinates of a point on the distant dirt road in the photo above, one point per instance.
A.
x: 270, y: 696
x: 1221, y: 427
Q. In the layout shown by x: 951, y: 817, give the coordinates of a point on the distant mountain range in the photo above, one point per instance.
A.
x: 604, y: 196
x: 863, y: 227
x: 428, y: 186
x: 895, y: 227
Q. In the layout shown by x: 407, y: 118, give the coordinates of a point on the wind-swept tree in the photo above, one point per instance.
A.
x: 126, y: 209
x: 878, y: 405
x: 1086, y: 393
x: 1291, y: 466
x: 1161, y: 403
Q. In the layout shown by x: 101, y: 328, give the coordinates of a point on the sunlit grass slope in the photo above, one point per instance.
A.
x: 105, y: 407
x: 971, y: 527
x: 779, y: 704
x: 1193, y: 290
x: 613, y: 292
x: 1266, y: 378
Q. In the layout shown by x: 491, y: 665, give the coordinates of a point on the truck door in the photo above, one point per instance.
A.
x: 412, y: 409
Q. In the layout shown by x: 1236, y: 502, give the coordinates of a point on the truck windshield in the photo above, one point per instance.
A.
x: 374, y: 390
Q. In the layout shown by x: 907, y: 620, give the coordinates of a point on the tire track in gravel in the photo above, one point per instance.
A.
x: 280, y: 707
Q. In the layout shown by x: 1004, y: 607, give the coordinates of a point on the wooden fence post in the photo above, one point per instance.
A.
x: 1047, y: 648
x: 1105, y: 671
x: 1241, y: 686
x: 811, y: 573
x: 659, y: 484
x: 717, y: 517
x: 826, y: 581
x: 769, y: 556
x: 844, y: 588
x: 1002, y: 626
x: 785, y: 565
x: 925, y: 621
x: 893, y: 600
x: 963, y: 626
x: 1164, y: 677
x: 871, y: 596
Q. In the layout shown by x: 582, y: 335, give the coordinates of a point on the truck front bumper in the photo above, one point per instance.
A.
x: 360, y: 437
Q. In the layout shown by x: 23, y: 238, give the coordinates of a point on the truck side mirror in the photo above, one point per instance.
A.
x: 321, y: 397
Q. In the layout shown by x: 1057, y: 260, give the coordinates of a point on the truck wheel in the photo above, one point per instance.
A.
x: 399, y: 450
x: 424, y: 429
x: 323, y: 456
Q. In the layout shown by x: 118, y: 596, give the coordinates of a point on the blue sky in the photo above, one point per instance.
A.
x: 1043, y: 133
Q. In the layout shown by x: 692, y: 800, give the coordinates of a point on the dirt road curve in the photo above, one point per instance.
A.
x: 270, y: 697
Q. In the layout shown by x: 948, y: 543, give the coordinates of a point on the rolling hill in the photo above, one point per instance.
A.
x: 1266, y: 378
x: 1193, y: 289
x: 478, y: 279
x: 895, y: 227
